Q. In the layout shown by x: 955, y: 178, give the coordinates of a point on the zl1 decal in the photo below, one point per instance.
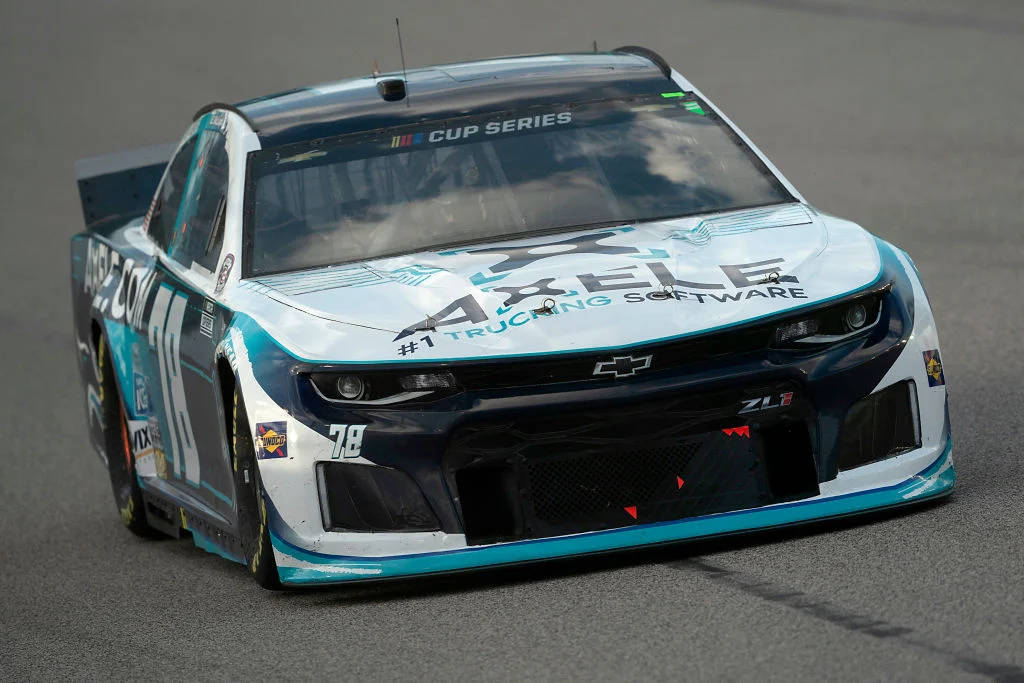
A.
x: 348, y: 441
x: 766, y: 403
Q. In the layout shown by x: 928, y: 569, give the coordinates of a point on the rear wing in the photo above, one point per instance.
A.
x: 115, y: 188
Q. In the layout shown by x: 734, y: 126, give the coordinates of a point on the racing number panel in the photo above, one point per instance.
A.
x: 183, y: 330
x: 163, y: 335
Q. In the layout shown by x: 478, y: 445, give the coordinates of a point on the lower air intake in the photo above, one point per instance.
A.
x: 880, y: 426
x: 370, y: 498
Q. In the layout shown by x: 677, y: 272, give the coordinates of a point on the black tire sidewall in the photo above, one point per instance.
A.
x: 253, y: 524
x: 120, y: 459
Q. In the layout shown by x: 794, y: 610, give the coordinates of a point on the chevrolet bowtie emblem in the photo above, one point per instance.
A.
x: 622, y: 366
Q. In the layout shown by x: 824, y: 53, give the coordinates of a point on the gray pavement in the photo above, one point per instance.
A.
x: 904, y: 117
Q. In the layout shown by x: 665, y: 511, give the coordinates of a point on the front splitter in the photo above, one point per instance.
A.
x: 297, y: 566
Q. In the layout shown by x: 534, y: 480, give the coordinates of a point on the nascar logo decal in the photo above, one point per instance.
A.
x: 406, y: 140
x: 271, y: 440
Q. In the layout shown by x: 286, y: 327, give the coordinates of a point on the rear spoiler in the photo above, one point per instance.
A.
x: 115, y: 188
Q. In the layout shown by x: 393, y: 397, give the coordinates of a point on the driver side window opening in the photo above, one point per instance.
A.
x: 168, y: 199
x: 199, y: 228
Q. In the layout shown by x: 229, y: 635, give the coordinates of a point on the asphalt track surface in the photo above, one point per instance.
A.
x: 906, y: 118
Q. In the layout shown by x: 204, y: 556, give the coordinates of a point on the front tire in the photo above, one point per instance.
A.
x: 120, y: 461
x: 254, y: 530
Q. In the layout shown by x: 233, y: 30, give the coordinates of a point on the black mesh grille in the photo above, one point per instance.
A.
x: 553, y: 474
x: 568, y: 488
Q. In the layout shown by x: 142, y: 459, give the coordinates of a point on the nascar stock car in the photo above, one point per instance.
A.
x: 488, y: 313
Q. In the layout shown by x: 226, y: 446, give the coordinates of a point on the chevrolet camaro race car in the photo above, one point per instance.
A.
x: 489, y: 313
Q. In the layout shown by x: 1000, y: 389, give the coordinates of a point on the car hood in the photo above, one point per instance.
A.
x: 606, y: 288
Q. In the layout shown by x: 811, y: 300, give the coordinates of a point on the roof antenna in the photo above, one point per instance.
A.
x: 405, y: 76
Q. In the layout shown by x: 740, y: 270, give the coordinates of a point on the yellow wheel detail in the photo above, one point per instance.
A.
x: 128, y: 512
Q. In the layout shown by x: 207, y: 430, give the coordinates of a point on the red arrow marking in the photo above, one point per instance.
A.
x: 742, y: 431
x: 631, y: 510
x: 679, y: 482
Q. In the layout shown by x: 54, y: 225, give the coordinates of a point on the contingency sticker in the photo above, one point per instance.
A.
x: 271, y: 440
x: 933, y: 367
x: 142, y: 447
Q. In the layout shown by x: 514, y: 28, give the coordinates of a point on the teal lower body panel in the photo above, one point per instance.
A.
x: 935, y: 480
x: 209, y: 545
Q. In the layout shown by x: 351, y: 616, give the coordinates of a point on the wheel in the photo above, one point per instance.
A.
x: 120, y: 463
x: 252, y: 507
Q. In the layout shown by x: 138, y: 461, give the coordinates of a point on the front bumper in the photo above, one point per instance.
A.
x: 298, y: 566
x: 417, y: 441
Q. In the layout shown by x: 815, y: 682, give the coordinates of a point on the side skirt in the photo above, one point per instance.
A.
x: 170, y: 518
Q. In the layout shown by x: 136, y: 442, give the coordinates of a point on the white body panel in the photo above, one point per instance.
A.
x: 353, y: 313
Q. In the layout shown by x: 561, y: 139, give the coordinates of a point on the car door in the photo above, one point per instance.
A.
x: 186, y: 323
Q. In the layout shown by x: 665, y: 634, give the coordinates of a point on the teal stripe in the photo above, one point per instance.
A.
x: 120, y: 338
x: 196, y: 370
x: 209, y: 545
x: 215, y: 492
x: 937, y: 479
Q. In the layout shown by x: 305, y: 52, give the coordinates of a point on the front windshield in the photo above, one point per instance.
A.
x: 476, y: 178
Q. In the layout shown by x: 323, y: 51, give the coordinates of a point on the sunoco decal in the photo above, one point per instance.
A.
x: 271, y: 440
x: 933, y: 368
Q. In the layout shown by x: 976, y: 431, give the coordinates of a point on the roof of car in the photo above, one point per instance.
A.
x: 451, y: 90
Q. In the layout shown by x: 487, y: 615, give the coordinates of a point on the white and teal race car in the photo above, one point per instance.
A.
x: 489, y: 313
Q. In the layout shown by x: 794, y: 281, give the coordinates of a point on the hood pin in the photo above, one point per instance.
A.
x: 428, y: 325
x: 667, y: 292
x: 547, y: 307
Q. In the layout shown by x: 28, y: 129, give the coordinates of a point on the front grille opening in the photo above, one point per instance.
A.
x: 881, y: 426
x: 790, y: 462
x: 488, y: 497
x: 546, y: 473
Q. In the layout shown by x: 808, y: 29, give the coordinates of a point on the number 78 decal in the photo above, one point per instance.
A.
x: 348, y: 440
